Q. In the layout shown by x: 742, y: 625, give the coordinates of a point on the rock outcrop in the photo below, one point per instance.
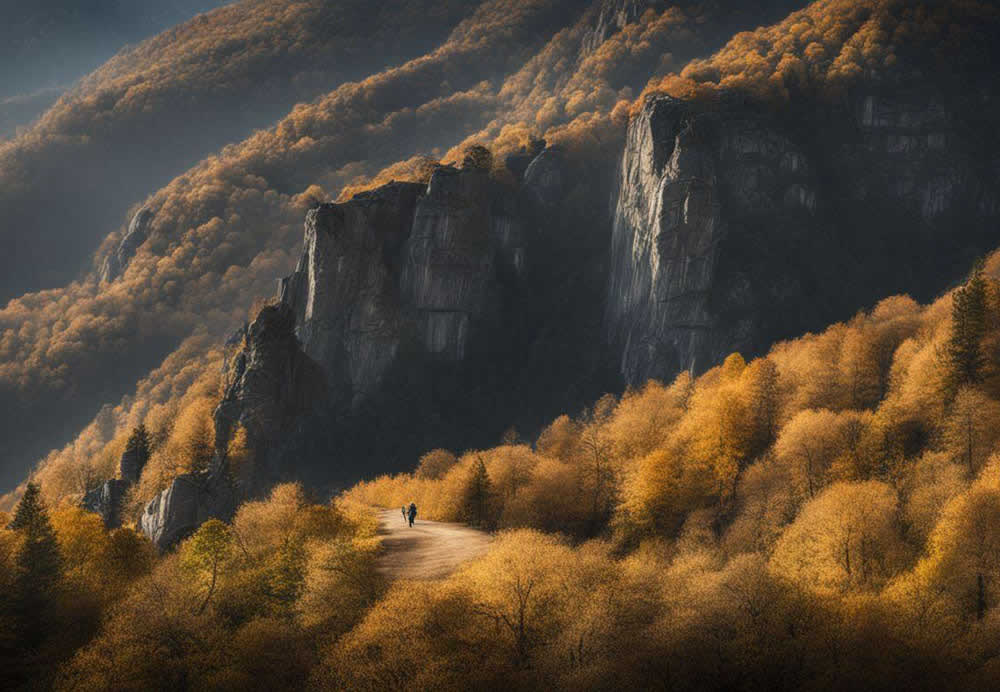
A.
x: 733, y: 228
x: 440, y: 314
x: 403, y: 266
x: 189, y: 501
x: 406, y: 303
x: 269, y: 382
x: 406, y: 277
x: 138, y: 230
x: 107, y: 498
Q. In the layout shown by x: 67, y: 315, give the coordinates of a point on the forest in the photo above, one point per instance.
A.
x: 822, y: 517
x: 822, y: 514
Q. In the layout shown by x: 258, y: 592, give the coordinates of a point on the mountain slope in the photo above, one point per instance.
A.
x: 232, y: 222
x: 52, y: 43
x: 159, y: 107
x: 221, y: 233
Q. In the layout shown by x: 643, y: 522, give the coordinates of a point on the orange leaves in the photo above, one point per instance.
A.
x: 828, y: 44
x: 845, y: 538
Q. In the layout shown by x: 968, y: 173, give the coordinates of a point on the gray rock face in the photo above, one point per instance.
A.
x: 405, y: 268
x: 612, y: 17
x: 132, y: 463
x: 407, y: 272
x: 546, y: 177
x: 269, y: 383
x: 723, y: 222
x: 106, y: 500
x: 343, y: 294
x: 404, y: 264
x: 138, y: 230
x: 191, y: 500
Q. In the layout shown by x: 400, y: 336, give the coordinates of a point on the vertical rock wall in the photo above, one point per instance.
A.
x: 735, y: 226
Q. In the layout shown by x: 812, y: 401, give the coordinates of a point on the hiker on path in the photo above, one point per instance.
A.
x: 412, y: 514
x: 403, y: 510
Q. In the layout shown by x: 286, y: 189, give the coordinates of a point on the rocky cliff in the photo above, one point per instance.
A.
x: 419, y: 315
x: 405, y: 266
x: 736, y: 225
x: 107, y: 498
x: 439, y: 314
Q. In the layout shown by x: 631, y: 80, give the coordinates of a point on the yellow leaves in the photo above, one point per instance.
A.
x: 843, y: 539
x: 970, y: 432
x: 284, y: 518
x: 435, y: 464
x: 824, y: 46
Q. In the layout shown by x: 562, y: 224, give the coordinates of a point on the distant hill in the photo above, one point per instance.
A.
x: 51, y: 43
x: 159, y: 106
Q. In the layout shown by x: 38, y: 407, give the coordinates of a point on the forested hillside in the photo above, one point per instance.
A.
x: 820, y: 517
x: 51, y: 43
x: 760, y: 246
x: 159, y: 107
x: 220, y: 234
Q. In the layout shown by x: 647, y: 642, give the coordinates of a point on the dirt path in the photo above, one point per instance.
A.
x: 429, y: 550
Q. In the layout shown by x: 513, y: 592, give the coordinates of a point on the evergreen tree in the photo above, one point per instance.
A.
x: 39, y: 569
x: 964, y: 353
x: 137, y: 452
x: 478, y: 499
x: 138, y: 442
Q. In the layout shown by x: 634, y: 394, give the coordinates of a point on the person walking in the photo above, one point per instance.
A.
x: 403, y: 510
x: 412, y: 514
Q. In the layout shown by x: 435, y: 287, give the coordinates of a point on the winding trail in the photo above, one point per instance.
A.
x: 429, y: 550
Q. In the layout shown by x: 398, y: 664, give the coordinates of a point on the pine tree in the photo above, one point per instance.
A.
x: 478, y: 500
x: 964, y: 353
x: 39, y: 568
x: 138, y: 442
x: 137, y: 452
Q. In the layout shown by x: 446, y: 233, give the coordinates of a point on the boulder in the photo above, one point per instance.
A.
x: 138, y: 230
x: 189, y: 501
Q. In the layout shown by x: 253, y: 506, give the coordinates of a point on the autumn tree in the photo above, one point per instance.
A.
x: 206, y: 554
x: 517, y: 587
x: 662, y: 489
x: 390, y: 648
x: 964, y: 549
x: 763, y: 404
x: 809, y: 444
x: 559, y: 440
x: 971, y: 432
x: 928, y: 485
x: 861, y: 364
x: 644, y: 418
x: 477, y: 157
x: 844, y: 538
x: 595, y: 461
x: 193, y: 435
x: 510, y: 468
x: 718, y: 427
x: 240, y: 456
x: 435, y: 464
